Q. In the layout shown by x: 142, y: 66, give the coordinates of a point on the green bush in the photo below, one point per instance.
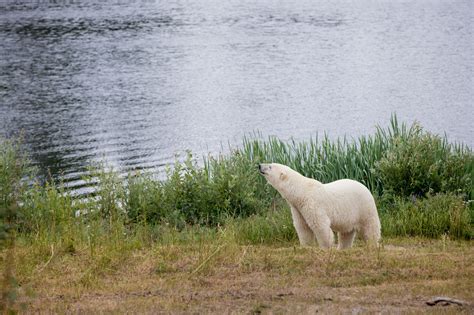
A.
x: 108, y: 200
x: 224, y: 187
x: 423, y: 163
x: 236, y: 188
x: 46, y: 209
x: 144, y: 198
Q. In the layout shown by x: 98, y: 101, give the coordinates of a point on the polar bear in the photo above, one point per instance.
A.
x: 344, y: 206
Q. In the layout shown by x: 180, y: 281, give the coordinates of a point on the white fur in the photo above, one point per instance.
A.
x: 344, y: 206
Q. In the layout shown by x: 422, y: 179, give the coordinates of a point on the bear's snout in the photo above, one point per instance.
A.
x: 262, y: 168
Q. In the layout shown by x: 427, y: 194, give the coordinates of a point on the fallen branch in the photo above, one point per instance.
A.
x: 444, y: 301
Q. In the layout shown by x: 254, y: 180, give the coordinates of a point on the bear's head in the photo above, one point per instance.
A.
x: 289, y: 183
x: 276, y: 174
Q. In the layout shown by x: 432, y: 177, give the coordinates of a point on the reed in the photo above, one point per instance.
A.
x: 405, y: 160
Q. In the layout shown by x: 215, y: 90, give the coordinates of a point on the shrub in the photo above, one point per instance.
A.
x: 144, y: 197
x: 423, y: 163
x: 224, y: 187
x: 236, y: 188
x: 46, y: 209
x: 109, y: 194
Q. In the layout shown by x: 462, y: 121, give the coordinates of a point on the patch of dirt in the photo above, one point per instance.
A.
x: 267, y: 281
x: 255, y: 293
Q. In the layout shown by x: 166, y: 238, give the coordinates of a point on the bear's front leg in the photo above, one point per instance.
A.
x: 325, y: 236
x: 320, y: 224
x: 305, y: 235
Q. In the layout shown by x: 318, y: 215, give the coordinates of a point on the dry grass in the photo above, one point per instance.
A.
x: 223, y: 277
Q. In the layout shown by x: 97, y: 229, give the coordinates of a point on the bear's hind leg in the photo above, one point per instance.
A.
x: 345, y: 239
x: 305, y: 235
x: 371, y: 232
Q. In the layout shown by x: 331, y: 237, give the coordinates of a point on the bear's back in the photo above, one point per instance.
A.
x: 349, y: 193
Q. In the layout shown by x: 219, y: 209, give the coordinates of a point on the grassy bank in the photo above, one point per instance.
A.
x: 188, y: 272
x: 422, y: 184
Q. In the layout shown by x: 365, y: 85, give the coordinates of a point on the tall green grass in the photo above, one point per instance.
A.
x: 14, y: 175
x: 405, y: 160
x: 433, y: 216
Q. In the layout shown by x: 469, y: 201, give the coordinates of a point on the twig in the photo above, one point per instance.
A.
x: 206, y: 260
x: 243, y: 255
x: 49, y: 260
x: 444, y: 301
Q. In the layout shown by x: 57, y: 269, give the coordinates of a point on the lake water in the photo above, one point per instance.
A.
x: 135, y: 82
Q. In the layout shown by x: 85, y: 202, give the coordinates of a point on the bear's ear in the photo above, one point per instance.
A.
x: 283, y: 176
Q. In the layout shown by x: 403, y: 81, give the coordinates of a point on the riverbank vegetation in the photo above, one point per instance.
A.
x: 218, y: 206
